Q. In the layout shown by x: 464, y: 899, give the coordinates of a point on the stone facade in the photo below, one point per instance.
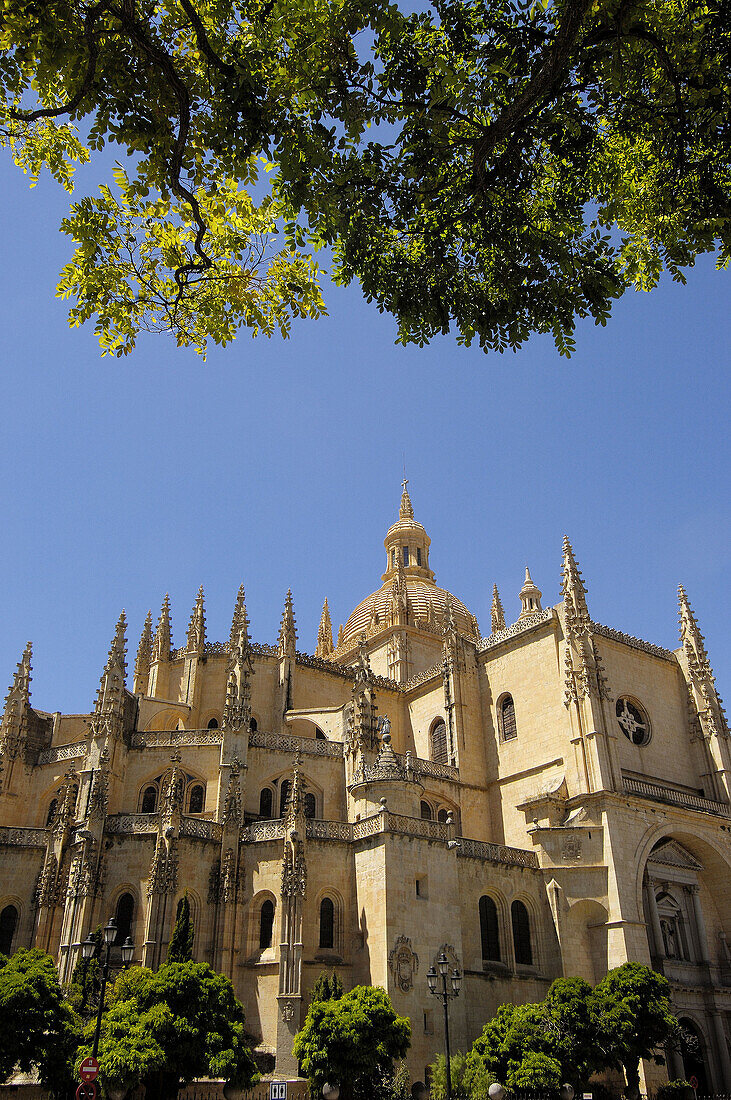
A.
x: 552, y: 799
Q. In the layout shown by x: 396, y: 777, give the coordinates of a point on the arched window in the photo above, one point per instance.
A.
x: 508, y: 728
x: 284, y: 797
x: 443, y: 815
x: 327, y: 923
x: 310, y: 805
x: 266, y: 924
x: 439, y: 743
x: 489, y: 930
x: 521, y: 934
x: 124, y: 914
x: 426, y: 814
x: 265, y: 802
x: 213, y: 724
x: 197, y: 799
x: 8, y: 924
x: 51, y: 811
x: 253, y: 725
x: 149, y: 800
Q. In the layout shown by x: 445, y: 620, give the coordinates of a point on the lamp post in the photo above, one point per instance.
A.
x: 88, y: 948
x: 456, y: 980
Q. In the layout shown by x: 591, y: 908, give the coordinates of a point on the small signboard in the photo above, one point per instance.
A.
x: 89, y: 1069
x: 87, y: 1090
x: 278, y: 1090
x: 693, y: 1082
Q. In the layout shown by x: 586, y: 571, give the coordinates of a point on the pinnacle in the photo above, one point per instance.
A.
x: 406, y: 511
x: 240, y: 620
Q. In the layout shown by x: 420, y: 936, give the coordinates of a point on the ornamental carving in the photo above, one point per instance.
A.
x: 287, y: 1009
x: 572, y: 848
x: 403, y: 963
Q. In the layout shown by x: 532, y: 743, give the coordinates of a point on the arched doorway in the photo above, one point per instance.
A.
x: 693, y: 1054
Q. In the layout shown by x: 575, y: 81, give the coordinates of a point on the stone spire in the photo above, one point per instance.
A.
x: 143, y: 658
x: 14, y: 728
x: 530, y: 596
x: 108, y: 719
x: 399, y: 595
x: 497, y: 615
x: 406, y: 511
x: 161, y: 645
x: 288, y: 629
x: 691, y: 639
x: 237, y: 708
x: 296, y: 798
x: 240, y: 620
x: 341, y: 636
x: 324, y: 633
x: 197, y: 626
x: 574, y: 593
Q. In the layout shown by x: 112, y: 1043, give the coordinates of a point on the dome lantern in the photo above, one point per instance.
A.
x: 407, y: 543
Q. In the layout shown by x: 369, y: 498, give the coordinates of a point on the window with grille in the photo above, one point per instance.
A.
x: 426, y: 813
x: 327, y: 923
x: 406, y: 555
x: 149, y: 800
x: 310, y: 805
x: 507, y: 718
x: 489, y: 930
x: 439, y: 743
x: 266, y: 924
x: 197, y: 799
x: 521, y: 934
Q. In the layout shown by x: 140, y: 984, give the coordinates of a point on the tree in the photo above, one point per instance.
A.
x: 352, y: 1041
x: 496, y: 167
x: 180, y: 948
x: 327, y: 987
x: 40, y: 1030
x: 632, y: 1006
x: 166, y: 1028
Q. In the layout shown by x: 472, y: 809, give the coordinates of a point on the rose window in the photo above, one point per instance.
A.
x: 633, y: 721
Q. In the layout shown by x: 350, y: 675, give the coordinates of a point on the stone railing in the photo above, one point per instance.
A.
x: 281, y: 742
x: 659, y: 793
x: 329, y: 830
x: 310, y: 661
x: 173, y: 739
x: 201, y: 829
x: 260, y: 831
x: 432, y: 769
x: 417, y: 826
x: 63, y: 752
x: 630, y: 640
x: 424, y: 677
x: 521, y: 627
x: 23, y: 838
x: 131, y: 824
x: 495, y: 853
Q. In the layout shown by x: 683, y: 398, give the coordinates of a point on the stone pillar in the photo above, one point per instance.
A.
x: 700, y: 923
x: 722, y: 1044
x: 655, y: 921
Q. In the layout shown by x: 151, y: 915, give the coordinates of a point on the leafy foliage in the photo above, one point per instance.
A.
x: 163, y: 1029
x: 327, y: 987
x: 352, y: 1041
x: 40, y: 1029
x: 180, y: 948
x: 632, y: 1004
x: 495, y: 167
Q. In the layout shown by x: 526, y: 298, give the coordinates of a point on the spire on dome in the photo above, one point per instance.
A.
x: 197, y: 625
x: 143, y: 658
x: 288, y: 629
x: 573, y: 591
x: 406, y: 511
x: 162, y: 643
x: 530, y: 596
x: 497, y: 615
x: 324, y: 633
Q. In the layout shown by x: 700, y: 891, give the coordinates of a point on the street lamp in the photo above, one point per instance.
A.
x: 432, y: 979
x: 88, y: 948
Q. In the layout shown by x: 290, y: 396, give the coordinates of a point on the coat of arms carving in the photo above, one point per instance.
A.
x: 403, y: 963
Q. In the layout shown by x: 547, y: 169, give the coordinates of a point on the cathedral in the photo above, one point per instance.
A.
x: 548, y: 798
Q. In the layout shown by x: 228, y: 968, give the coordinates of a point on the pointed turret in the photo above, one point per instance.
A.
x: 14, y: 729
x: 296, y: 796
x: 497, y: 615
x: 240, y: 620
x: 288, y: 629
x: 163, y: 636
x: 341, y: 636
x: 237, y: 708
x: 108, y: 719
x: 143, y: 659
x: 406, y: 511
x: 691, y: 638
x: 530, y: 597
x: 573, y: 591
x: 324, y: 633
x: 197, y: 626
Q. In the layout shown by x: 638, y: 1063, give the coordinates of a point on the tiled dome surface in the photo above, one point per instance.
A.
x: 422, y: 595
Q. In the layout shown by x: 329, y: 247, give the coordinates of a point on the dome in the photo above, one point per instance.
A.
x: 408, y: 595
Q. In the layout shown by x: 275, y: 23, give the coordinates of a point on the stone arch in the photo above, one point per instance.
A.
x: 338, y: 918
x: 533, y: 928
x: 694, y: 1050
x: 254, y: 933
x: 586, y: 941
x: 9, y: 925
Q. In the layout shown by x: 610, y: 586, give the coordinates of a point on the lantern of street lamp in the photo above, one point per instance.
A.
x: 128, y: 950
x: 443, y: 964
x: 110, y: 931
x: 456, y: 982
x: 88, y: 947
x: 431, y: 977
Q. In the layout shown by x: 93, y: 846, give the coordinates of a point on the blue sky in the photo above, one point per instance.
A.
x: 278, y: 463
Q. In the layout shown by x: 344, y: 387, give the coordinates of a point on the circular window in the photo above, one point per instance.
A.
x: 634, y: 722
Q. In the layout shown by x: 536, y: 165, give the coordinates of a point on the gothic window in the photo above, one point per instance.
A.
x: 439, y: 743
x: 123, y: 916
x: 266, y: 803
x: 213, y: 724
x: 489, y: 930
x: 327, y: 923
x: 197, y: 799
x: 508, y: 728
x: 266, y: 924
x: 149, y: 800
x: 633, y: 721
x: 426, y: 813
x: 253, y: 725
x: 284, y: 797
x: 406, y: 555
x: 521, y: 934
x: 310, y: 805
x: 443, y: 815
x: 393, y: 559
x: 51, y: 811
x: 8, y: 924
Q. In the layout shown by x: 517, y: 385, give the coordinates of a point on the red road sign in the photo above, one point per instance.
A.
x: 87, y: 1091
x: 89, y: 1069
x: 693, y: 1082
